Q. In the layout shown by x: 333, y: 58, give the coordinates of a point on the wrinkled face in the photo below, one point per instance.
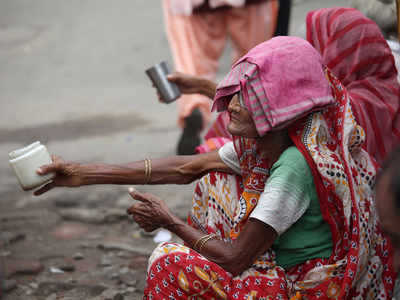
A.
x: 240, y: 123
x: 389, y: 215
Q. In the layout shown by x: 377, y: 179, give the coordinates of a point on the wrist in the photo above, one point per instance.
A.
x: 173, y: 222
x: 78, y: 173
x: 208, y: 88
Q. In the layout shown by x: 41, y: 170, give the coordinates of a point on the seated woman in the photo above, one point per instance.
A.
x: 282, y: 211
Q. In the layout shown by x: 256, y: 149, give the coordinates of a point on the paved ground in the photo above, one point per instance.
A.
x: 72, y: 76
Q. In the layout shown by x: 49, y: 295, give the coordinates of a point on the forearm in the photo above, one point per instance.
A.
x: 234, y: 257
x: 163, y: 171
x: 208, y: 88
x: 215, y: 250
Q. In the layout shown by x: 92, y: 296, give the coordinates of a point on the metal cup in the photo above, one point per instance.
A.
x: 158, y: 75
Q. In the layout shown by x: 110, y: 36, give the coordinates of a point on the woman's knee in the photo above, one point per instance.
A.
x: 164, y: 252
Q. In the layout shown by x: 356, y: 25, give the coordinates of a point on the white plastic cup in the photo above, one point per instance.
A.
x: 26, y: 161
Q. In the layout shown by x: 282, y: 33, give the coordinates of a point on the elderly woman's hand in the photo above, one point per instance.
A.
x: 151, y: 212
x: 67, y: 174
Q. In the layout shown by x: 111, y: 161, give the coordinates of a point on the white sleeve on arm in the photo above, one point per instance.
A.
x: 228, y: 155
x: 283, y: 201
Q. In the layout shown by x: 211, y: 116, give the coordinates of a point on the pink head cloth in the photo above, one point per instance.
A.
x: 281, y: 80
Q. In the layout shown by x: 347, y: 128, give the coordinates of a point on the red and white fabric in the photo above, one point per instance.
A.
x: 353, y: 47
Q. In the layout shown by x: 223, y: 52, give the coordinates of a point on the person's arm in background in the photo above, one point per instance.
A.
x: 190, y: 84
x: 174, y: 169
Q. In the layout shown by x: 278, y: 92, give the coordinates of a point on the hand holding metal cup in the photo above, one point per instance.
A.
x: 168, y: 91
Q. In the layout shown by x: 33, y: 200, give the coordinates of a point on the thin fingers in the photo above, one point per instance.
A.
x: 172, y: 78
x: 146, y: 225
x: 133, y: 209
x: 45, y: 169
x: 55, y: 158
x: 139, y: 210
x: 44, y: 189
x: 130, y: 210
x: 149, y: 228
x: 138, y: 196
x: 142, y: 221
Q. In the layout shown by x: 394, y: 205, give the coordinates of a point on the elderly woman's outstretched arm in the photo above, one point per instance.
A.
x: 173, y: 169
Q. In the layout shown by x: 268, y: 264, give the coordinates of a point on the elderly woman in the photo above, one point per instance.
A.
x: 354, y: 49
x: 282, y: 211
